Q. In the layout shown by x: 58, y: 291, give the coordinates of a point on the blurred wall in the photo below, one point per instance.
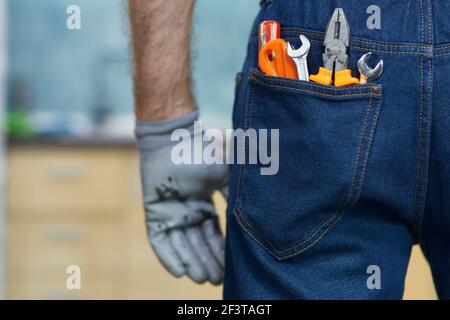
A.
x: 77, y: 201
x: 69, y: 71
x: 221, y: 29
x: 85, y: 72
x: 2, y: 145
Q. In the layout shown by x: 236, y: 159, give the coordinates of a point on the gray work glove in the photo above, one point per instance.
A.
x: 181, y: 221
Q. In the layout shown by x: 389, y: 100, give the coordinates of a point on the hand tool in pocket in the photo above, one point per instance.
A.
x: 282, y: 65
x: 300, y: 57
x: 335, y: 58
x: 268, y: 30
x: 368, y: 74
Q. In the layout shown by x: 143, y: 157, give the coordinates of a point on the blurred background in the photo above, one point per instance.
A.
x: 69, y: 181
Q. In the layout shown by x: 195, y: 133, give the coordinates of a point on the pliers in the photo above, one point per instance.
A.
x: 335, y: 58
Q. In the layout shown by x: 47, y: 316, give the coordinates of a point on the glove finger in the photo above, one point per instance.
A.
x: 162, y: 246
x: 174, y: 215
x: 194, y: 267
x: 215, y: 240
x: 202, y: 206
x: 198, y: 243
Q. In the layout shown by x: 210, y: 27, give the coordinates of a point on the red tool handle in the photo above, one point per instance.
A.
x: 268, y: 30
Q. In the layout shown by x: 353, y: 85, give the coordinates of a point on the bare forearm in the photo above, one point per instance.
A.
x: 161, y: 42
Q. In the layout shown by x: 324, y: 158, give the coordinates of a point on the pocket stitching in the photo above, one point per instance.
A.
x: 294, y: 249
x: 254, y: 75
x: 304, y: 244
x: 368, y: 148
x: 358, y: 153
x: 315, y: 92
x: 239, y: 191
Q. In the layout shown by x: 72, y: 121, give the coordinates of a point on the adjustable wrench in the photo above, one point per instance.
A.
x: 300, y: 57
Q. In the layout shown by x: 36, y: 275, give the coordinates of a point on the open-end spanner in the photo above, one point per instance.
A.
x: 368, y: 74
x: 300, y: 57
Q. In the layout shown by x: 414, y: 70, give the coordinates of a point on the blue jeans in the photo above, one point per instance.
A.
x: 364, y: 170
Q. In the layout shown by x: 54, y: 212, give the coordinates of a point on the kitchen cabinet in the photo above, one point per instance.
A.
x: 80, y: 204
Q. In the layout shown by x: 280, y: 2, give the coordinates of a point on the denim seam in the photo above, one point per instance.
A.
x: 442, y: 55
x: 248, y: 122
x: 314, y: 92
x: 360, y: 182
x: 353, y: 39
x: 304, y: 244
x: 248, y: 125
x: 430, y: 34
x: 330, y: 88
x: 238, y: 199
x: 321, y: 233
x: 427, y: 123
x: 237, y: 209
x: 365, y: 45
x: 419, y: 147
x: 368, y: 149
x: 442, y: 47
x: 244, y: 225
x: 422, y: 23
x: 358, y: 153
x: 388, y: 44
x: 368, y: 88
x: 237, y: 94
x: 393, y: 52
x: 385, y: 51
x: 421, y: 212
x: 296, y: 248
x: 424, y: 136
x: 363, y: 133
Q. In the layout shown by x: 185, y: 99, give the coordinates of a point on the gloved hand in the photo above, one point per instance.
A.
x: 181, y: 221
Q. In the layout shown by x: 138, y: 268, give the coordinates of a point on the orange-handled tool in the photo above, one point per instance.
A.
x: 341, y: 78
x: 281, y: 65
x: 344, y: 78
x: 324, y: 76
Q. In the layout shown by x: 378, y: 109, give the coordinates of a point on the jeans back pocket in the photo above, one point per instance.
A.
x: 325, y: 137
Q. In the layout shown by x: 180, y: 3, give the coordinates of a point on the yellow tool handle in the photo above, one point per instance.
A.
x: 324, y: 76
x: 344, y: 78
x: 362, y: 79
